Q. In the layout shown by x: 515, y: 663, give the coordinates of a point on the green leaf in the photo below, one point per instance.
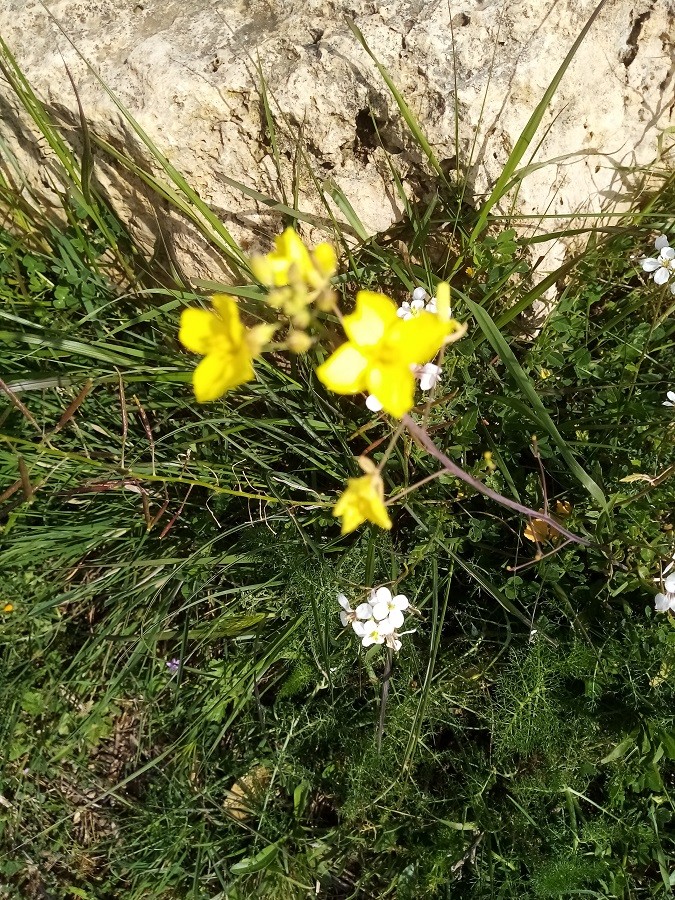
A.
x: 257, y: 863
x: 620, y: 750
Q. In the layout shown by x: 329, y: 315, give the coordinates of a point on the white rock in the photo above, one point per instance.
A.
x: 186, y: 71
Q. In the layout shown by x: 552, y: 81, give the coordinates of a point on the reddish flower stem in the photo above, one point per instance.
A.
x: 423, y: 438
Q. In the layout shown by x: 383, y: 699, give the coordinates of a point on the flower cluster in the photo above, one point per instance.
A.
x: 387, y: 352
x: 378, y: 620
x: 297, y: 278
x: 661, y: 267
x: 418, y: 303
x: 666, y: 602
x: 429, y: 374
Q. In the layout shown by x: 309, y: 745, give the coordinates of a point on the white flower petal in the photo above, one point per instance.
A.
x: 364, y: 611
x: 672, y: 288
x: 661, y: 276
x: 661, y: 242
x: 428, y: 382
x: 383, y: 595
x: 397, y: 645
x: 431, y: 305
x: 420, y: 294
x: 385, y: 627
x: 373, y: 403
x: 396, y: 618
x: 380, y: 611
x: 417, y: 305
x: 400, y: 601
x: 662, y: 603
x: 368, y: 640
x: 671, y: 396
x: 359, y: 628
x: 669, y: 583
x: 650, y: 265
x: 667, y: 253
x: 342, y: 600
x: 344, y: 618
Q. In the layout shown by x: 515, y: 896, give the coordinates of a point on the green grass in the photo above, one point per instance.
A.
x: 530, y: 726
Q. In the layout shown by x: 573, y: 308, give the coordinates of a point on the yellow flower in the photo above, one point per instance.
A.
x: 8, y: 607
x: 362, y: 501
x: 380, y: 351
x: 538, y: 531
x: 296, y: 277
x: 228, y: 348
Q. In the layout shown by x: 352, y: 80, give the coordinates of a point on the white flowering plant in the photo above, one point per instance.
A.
x: 377, y: 620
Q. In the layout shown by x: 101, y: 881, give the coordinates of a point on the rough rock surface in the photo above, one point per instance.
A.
x: 186, y: 69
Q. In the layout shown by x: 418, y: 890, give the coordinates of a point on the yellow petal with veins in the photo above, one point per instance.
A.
x: 373, y: 316
x: 419, y: 339
x: 344, y: 371
x: 394, y: 387
x: 200, y: 330
x: 218, y: 373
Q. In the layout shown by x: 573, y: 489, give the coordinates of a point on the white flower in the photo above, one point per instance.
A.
x: 407, y: 310
x: 347, y: 615
x: 363, y: 611
x: 666, y: 602
x: 386, y: 607
x: 372, y: 632
x: 373, y: 403
x: 662, y: 266
x: 393, y: 642
x: 671, y: 399
x: 417, y: 304
x: 429, y: 375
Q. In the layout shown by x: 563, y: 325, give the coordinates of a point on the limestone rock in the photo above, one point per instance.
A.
x: 186, y: 70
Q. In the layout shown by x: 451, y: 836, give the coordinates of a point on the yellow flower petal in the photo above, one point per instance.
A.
x: 200, y: 330
x: 443, y: 300
x: 227, y: 309
x: 394, y: 387
x: 419, y: 339
x: 218, y: 373
x: 292, y: 251
x: 325, y: 259
x: 537, y: 531
x: 373, y: 316
x: 344, y: 371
